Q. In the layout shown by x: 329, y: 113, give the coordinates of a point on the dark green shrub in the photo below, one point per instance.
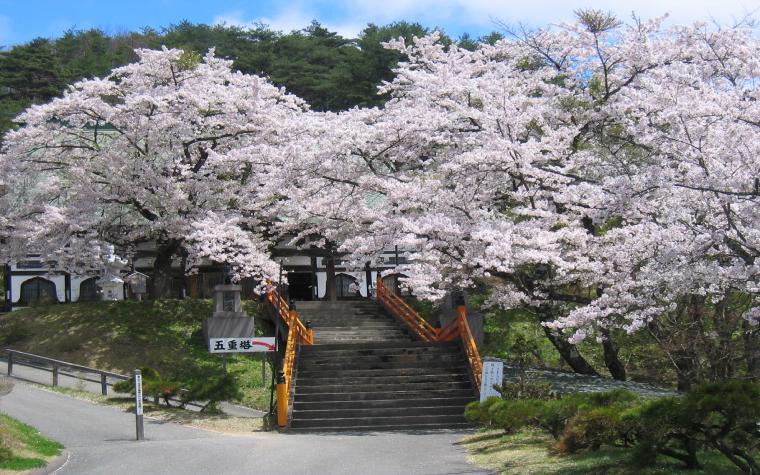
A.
x: 598, y: 421
x: 554, y: 414
x: 497, y: 413
x: 212, y: 390
x: 152, y: 385
x: 616, y: 397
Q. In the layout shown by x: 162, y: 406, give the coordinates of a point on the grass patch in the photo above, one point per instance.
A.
x: 119, y: 336
x: 199, y: 420
x: 526, y: 453
x: 25, y: 447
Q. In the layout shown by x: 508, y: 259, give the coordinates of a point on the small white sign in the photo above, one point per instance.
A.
x: 493, y: 373
x: 138, y: 395
x: 241, y: 345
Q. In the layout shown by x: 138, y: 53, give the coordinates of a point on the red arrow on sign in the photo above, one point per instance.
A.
x: 266, y: 345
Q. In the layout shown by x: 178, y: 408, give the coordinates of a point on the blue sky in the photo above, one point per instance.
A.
x: 24, y: 20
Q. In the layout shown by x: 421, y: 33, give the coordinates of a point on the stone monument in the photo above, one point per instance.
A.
x: 227, y: 320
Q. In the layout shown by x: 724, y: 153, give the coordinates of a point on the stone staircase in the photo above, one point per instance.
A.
x: 350, y: 322
x: 364, y: 372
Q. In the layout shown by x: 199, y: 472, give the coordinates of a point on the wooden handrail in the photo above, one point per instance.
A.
x: 403, y: 312
x: 297, y: 333
x: 278, y: 303
x: 456, y: 328
x: 450, y: 331
x: 470, y: 348
x: 290, y: 357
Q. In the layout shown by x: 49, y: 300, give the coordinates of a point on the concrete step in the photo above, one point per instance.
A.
x: 392, y: 380
x: 311, y: 361
x: 384, y: 403
x: 358, y: 323
x: 370, y: 412
x: 336, y: 397
x: 452, y: 365
x: 387, y: 428
x: 403, y: 345
x: 410, y: 348
x: 364, y: 372
x: 376, y: 373
x: 391, y: 333
x: 365, y: 339
x: 381, y: 423
x: 384, y: 388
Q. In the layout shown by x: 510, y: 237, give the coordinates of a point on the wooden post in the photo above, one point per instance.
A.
x: 103, y: 385
x: 55, y: 375
x: 10, y: 364
x: 139, y: 428
x: 282, y: 400
x: 264, y: 368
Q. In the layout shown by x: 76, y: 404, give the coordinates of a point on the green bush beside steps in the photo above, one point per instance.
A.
x: 720, y: 416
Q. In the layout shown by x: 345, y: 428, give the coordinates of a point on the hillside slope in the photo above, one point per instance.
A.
x: 121, y: 335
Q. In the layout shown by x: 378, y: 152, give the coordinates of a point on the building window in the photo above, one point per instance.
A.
x: 88, y: 290
x: 175, y: 286
x: 38, y: 290
x: 29, y: 265
x: 392, y: 282
x: 393, y: 261
x: 343, y: 286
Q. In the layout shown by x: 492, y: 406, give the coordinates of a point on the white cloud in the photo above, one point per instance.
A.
x: 469, y: 15
x: 236, y: 18
x: 285, y: 21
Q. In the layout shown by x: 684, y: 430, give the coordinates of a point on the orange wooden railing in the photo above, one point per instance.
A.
x: 297, y: 333
x: 278, y: 303
x: 400, y: 309
x: 456, y: 328
x: 470, y: 348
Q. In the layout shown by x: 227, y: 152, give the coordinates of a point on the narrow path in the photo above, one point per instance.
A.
x: 101, y: 441
x: 37, y: 373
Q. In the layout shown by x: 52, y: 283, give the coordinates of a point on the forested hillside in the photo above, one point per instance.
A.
x: 327, y: 70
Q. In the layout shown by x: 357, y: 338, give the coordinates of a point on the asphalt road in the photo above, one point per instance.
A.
x: 101, y: 440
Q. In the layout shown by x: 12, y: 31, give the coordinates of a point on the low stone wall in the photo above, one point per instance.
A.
x: 565, y: 382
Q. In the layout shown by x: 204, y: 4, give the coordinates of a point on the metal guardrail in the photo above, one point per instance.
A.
x: 56, y: 365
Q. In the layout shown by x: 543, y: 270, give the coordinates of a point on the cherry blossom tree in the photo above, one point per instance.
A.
x: 146, y: 155
x: 596, y: 176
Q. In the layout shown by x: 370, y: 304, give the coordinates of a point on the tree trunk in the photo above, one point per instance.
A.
x: 162, y: 268
x: 567, y: 351
x: 687, y: 370
x: 691, y: 460
x: 611, y: 360
x: 751, y: 351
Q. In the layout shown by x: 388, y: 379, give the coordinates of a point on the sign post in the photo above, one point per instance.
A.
x: 139, y: 405
x: 493, y: 373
